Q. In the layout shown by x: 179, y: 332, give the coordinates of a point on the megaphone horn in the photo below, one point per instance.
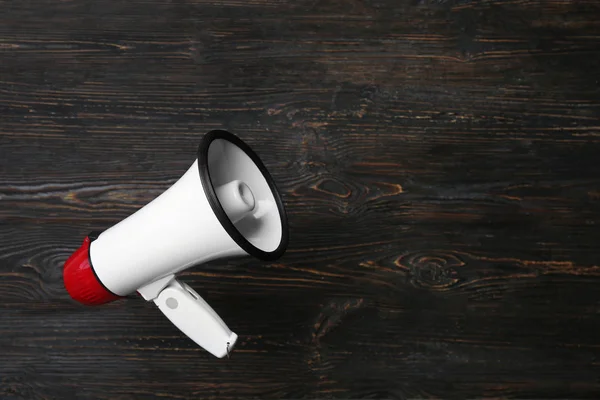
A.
x: 225, y: 205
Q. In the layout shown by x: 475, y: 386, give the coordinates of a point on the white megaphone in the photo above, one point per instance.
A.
x: 225, y: 205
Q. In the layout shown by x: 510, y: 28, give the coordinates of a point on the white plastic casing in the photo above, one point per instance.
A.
x: 175, y: 231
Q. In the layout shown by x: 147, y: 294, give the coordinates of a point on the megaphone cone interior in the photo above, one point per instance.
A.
x: 232, y: 172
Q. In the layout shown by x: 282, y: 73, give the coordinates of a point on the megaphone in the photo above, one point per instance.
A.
x: 225, y: 205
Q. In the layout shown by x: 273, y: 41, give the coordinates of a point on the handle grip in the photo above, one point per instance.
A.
x: 194, y: 317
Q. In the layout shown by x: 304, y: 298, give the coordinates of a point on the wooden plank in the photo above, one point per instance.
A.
x: 438, y: 161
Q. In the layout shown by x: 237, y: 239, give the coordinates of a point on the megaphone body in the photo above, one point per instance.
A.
x: 226, y: 205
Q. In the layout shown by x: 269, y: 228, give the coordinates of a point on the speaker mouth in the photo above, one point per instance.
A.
x: 219, y: 211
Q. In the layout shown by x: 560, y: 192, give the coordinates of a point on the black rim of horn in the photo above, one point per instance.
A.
x: 213, y: 200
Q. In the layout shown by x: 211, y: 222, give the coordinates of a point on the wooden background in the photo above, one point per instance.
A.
x: 440, y: 161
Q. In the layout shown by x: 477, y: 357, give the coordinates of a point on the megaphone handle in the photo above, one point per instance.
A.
x: 194, y: 317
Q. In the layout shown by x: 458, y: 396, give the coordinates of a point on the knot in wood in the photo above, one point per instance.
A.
x: 434, y: 270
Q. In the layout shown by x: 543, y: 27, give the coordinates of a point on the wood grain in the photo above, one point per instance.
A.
x: 439, y: 163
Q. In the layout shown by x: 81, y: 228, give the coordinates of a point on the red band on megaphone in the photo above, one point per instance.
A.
x: 80, y: 280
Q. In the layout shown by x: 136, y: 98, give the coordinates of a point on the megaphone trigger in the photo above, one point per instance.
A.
x: 194, y: 317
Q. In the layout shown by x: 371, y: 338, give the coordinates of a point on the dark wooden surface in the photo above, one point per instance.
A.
x: 440, y: 162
